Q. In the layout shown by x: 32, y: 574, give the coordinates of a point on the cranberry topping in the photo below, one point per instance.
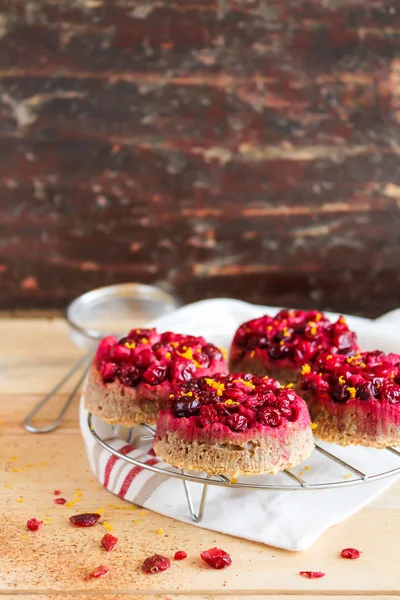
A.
x: 216, y: 558
x: 296, y: 336
x: 351, y: 553
x: 156, y: 564
x: 99, y: 572
x: 238, y: 401
x: 366, y: 376
x: 60, y: 501
x: 33, y: 524
x: 85, y: 519
x: 180, y: 555
x: 312, y: 574
x: 108, y: 542
x: 146, y: 356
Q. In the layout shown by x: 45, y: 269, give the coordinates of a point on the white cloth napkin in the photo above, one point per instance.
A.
x: 292, y: 520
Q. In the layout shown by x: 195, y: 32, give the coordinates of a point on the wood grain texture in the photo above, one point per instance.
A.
x: 52, y: 563
x: 247, y: 149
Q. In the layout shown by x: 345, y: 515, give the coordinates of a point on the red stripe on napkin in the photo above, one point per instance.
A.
x: 112, y: 460
x: 134, y: 472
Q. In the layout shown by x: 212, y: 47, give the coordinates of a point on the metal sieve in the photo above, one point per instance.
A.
x: 111, y: 310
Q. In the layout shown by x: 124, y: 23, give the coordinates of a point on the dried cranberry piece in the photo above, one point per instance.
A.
x: 312, y: 574
x: 85, y: 520
x: 156, y: 564
x: 340, y: 393
x: 216, y: 558
x: 351, y: 553
x: 108, y: 372
x: 212, y: 352
x: 129, y: 375
x: 226, y: 409
x: 33, y: 524
x: 144, y: 358
x: 60, y: 501
x: 121, y: 354
x: 99, y: 572
x: 57, y: 492
x: 344, y: 341
x: 180, y: 555
x: 208, y: 415
x: 155, y: 374
x: 108, y: 542
x: 187, y: 406
x: 269, y: 416
x: 278, y: 352
x: 237, y: 422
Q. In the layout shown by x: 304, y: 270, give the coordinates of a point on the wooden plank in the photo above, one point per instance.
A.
x: 251, y: 150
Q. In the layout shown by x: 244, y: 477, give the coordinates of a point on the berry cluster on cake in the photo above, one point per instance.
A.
x: 279, y: 346
x: 234, y: 424
x: 131, y: 379
x: 354, y: 400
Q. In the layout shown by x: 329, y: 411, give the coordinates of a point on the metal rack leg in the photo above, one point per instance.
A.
x: 199, y: 516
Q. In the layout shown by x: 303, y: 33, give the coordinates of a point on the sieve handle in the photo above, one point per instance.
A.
x: 84, y: 362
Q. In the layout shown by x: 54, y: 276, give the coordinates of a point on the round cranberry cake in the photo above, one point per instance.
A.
x: 234, y: 424
x: 131, y: 379
x: 279, y: 346
x: 354, y: 400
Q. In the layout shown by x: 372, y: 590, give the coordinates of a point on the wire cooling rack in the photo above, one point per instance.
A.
x: 296, y: 483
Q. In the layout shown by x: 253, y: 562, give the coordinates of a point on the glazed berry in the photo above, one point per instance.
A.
x: 129, y: 375
x: 121, y: 354
x: 208, y: 415
x: 340, y: 393
x: 269, y: 416
x: 156, y: 564
x: 216, y: 558
x: 155, y: 374
x: 237, y: 422
x: 108, y: 371
x: 212, y: 352
x: 144, y: 358
x: 187, y: 406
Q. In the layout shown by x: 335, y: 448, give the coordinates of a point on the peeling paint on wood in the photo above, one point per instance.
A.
x: 246, y: 149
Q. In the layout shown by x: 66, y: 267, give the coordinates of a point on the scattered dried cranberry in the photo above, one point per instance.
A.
x: 180, y: 555
x: 60, y: 500
x: 216, y: 558
x: 156, y: 564
x: 34, y: 524
x: 99, y: 572
x: 85, y: 520
x: 56, y: 492
x: 312, y: 574
x: 108, y: 542
x: 350, y: 553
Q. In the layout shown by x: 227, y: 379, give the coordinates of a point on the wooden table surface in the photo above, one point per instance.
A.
x: 53, y: 562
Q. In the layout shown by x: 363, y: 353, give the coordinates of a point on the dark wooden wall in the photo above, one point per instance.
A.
x: 247, y: 149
